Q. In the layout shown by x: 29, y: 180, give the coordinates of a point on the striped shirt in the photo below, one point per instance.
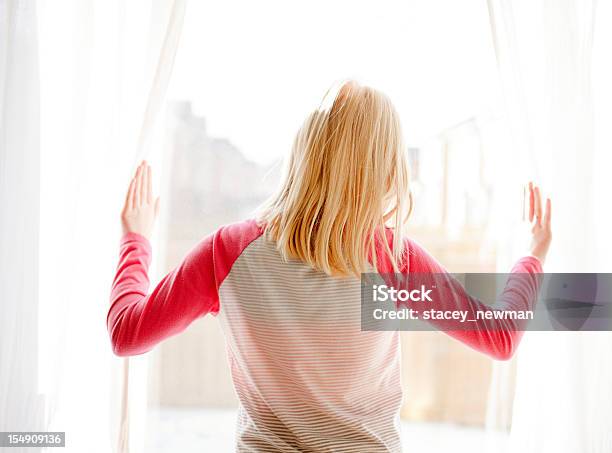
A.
x: 306, y: 375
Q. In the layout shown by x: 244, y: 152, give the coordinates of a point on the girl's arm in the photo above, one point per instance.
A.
x: 136, y: 321
x: 498, y: 338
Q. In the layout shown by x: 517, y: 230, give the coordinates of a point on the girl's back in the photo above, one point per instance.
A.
x: 307, y: 377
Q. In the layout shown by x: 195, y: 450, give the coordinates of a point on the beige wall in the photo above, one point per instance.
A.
x: 192, y: 368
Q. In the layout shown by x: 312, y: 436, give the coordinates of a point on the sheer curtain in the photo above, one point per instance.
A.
x: 545, y: 52
x: 21, y: 407
x: 81, y: 84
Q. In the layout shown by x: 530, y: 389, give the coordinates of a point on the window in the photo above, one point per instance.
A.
x: 234, y: 105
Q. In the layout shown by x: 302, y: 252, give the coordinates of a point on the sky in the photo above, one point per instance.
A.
x: 254, y: 70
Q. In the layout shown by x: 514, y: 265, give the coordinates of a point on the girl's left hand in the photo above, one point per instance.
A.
x: 539, y: 217
x: 140, y: 209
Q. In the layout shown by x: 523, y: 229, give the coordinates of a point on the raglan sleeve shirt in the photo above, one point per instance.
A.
x: 137, y: 320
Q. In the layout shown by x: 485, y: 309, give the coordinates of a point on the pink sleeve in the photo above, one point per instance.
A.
x: 497, y: 338
x: 137, y: 321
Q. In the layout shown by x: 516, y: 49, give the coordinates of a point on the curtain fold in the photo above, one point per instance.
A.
x: 81, y: 83
x: 21, y: 405
x: 167, y: 20
x: 544, y: 50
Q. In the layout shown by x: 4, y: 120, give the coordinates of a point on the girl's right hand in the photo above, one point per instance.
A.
x: 540, y: 223
x: 140, y: 209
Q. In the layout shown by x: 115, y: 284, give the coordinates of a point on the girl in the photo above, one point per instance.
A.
x: 285, y: 286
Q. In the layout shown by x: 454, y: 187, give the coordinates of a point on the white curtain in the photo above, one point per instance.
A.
x: 21, y: 407
x: 81, y: 83
x: 545, y: 53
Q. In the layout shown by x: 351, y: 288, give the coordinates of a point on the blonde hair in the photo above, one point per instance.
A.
x: 346, y: 180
